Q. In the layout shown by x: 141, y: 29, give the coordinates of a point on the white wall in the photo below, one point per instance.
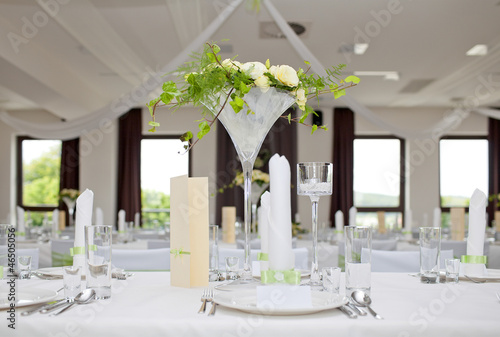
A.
x: 99, y: 156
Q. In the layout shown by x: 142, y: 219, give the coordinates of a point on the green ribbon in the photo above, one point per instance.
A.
x: 280, y: 276
x: 262, y: 256
x: 476, y: 259
x: 338, y: 231
x: 77, y: 251
x: 61, y: 260
x: 20, y: 233
x: 178, y: 252
x: 406, y: 232
x: 1, y: 272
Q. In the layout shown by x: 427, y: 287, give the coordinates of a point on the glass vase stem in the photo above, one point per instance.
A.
x: 315, y: 277
x: 247, y: 175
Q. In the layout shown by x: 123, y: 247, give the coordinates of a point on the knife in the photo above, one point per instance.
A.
x: 348, y: 311
x: 42, y: 307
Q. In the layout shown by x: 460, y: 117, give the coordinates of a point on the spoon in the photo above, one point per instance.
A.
x: 86, y: 296
x: 363, y: 300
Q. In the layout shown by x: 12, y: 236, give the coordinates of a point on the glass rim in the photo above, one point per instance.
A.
x: 318, y: 163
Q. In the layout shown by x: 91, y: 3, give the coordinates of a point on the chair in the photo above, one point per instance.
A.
x: 386, y: 245
x: 141, y: 259
x: 301, y: 257
x: 60, y: 252
x: 33, y: 252
x: 402, y: 261
x: 460, y: 247
x: 156, y: 244
x: 255, y: 243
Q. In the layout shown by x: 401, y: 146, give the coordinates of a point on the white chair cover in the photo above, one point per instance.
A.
x: 402, y: 261
x: 33, y: 252
x: 255, y: 243
x: 156, y: 244
x: 301, y: 257
x: 141, y: 259
x: 60, y: 252
x: 460, y: 247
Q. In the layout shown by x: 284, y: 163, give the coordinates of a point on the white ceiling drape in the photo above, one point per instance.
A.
x: 129, y: 66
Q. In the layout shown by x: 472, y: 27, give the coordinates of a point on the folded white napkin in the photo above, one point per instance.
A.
x: 84, y: 205
x: 264, y: 214
x: 477, y: 227
x: 137, y: 220
x: 352, y: 216
x: 99, y: 217
x: 281, y: 256
x: 121, y: 221
x: 339, y: 221
x: 437, y: 217
x: 408, y: 220
x: 55, y: 222
x: 20, y: 220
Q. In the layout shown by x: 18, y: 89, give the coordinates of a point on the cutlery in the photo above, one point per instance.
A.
x: 42, y: 307
x: 85, y: 297
x: 354, y: 308
x: 474, y: 280
x: 211, y: 299
x: 204, y: 299
x: 363, y: 300
x: 53, y: 307
x: 348, y: 311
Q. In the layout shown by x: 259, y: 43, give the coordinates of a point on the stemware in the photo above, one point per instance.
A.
x: 315, y: 180
x: 70, y: 203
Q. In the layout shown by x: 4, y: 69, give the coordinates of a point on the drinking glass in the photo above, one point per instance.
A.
x: 232, y: 265
x: 72, y: 281
x: 358, y: 248
x: 331, y: 279
x: 213, y: 246
x: 24, y: 265
x: 430, y: 251
x: 452, y: 270
x: 315, y: 180
x: 98, y: 259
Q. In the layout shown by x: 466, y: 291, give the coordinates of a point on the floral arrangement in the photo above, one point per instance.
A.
x: 208, y: 77
x: 70, y: 193
x: 495, y: 197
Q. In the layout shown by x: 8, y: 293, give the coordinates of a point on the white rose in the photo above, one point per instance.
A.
x: 301, y: 100
x: 273, y: 70
x: 287, y: 75
x: 230, y: 64
x: 262, y: 83
x: 253, y: 69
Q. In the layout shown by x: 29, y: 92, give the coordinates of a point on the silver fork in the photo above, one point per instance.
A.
x: 211, y: 299
x: 204, y: 299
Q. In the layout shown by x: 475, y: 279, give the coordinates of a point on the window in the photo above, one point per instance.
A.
x: 463, y: 167
x: 162, y: 157
x: 38, y: 175
x: 379, y: 179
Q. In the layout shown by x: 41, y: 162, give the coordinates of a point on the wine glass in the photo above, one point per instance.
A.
x: 314, y: 179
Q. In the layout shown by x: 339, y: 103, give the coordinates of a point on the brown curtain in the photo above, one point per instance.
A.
x: 129, y: 163
x: 281, y: 139
x: 70, y: 169
x: 494, y: 163
x: 343, y: 163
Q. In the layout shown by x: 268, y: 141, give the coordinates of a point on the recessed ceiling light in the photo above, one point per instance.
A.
x: 477, y: 50
x: 388, y: 75
x: 360, y: 48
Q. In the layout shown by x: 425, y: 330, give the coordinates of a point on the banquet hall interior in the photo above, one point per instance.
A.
x: 410, y: 143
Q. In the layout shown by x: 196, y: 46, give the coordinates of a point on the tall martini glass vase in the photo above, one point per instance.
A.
x: 248, y: 129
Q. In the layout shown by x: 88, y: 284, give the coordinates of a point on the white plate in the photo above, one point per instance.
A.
x: 26, y: 297
x: 246, y: 300
x: 493, y: 275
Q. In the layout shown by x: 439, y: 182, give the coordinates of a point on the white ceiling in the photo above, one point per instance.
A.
x: 83, y: 54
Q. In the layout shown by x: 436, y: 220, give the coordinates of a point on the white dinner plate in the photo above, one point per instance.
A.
x: 493, y: 275
x: 26, y: 297
x: 246, y: 301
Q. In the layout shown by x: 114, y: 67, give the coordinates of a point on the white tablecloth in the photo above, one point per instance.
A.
x: 146, y: 305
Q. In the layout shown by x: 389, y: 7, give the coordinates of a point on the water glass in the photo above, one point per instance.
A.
x: 72, y: 281
x: 213, y: 246
x: 98, y: 259
x: 232, y: 265
x: 452, y: 270
x: 358, y: 249
x: 331, y: 279
x: 430, y: 251
x: 24, y: 265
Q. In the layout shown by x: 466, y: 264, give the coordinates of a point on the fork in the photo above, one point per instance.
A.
x: 214, y: 305
x: 204, y: 299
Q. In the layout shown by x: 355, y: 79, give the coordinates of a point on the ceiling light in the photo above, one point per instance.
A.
x: 360, y: 48
x: 477, y: 50
x: 388, y: 75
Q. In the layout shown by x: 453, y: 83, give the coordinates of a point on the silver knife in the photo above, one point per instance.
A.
x: 42, y: 307
x: 357, y: 310
x: 348, y: 311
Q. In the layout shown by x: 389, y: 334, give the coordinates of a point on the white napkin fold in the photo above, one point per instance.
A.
x: 121, y: 221
x: 99, y: 217
x: 339, y: 220
x: 84, y: 205
x: 280, y: 226
x: 352, y: 216
x: 437, y: 217
x: 264, y: 214
x: 408, y: 220
x: 137, y: 220
x: 20, y: 220
x: 55, y: 222
x: 477, y: 223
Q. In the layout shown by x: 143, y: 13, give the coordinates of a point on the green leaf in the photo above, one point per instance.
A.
x: 268, y: 64
x: 186, y: 136
x: 154, y: 123
x: 204, y: 129
x: 237, y: 104
x: 152, y: 130
x: 215, y: 48
x: 244, y: 88
x: 314, y: 128
x: 340, y: 93
x: 211, y: 57
x: 169, y: 92
x: 353, y: 79
x: 289, y: 118
x: 151, y: 105
x: 307, y: 62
